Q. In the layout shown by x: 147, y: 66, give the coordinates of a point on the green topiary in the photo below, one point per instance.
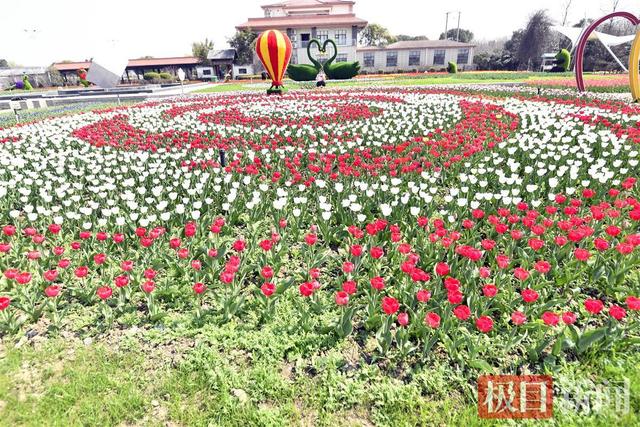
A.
x: 151, y: 75
x: 563, y: 61
x: 452, y: 68
x: 26, y: 85
x: 166, y: 76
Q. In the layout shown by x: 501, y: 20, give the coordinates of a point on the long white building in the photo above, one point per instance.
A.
x: 418, y: 55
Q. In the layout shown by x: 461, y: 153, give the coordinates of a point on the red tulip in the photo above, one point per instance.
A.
x: 311, y: 239
x: 267, y: 272
x: 148, y: 286
x: 462, y: 312
x: 617, y: 312
x: 484, y: 324
x: 52, y: 291
x: 54, y: 228
x: 550, y: 318
x: 23, y: 278
x: 268, y: 289
x: 199, y: 288
x: 529, y: 295
x: 50, y: 275
x: 633, y: 303
x: 349, y: 287
x: 390, y: 305
x: 239, y: 245
x: 81, y: 272
x: 226, y: 277
x: 376, y: 252
x: 356, y: 250
x: 593, y: 306
x: 403, y: 319
x: 342, y: 298
x: 518, y: 317
x: 377, y: 283
x: 104, y: 292
x: 442, y: 269
x: 432, y: 319
x: 569, y: 318
x: 126, y: 265
x: 306, y: 289
x: 582, y: 254
x: 4, y: 303
x: 489, y: 290
x: 121, y: 281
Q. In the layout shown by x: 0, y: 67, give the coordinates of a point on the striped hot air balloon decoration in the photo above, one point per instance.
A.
x: 274, y: 50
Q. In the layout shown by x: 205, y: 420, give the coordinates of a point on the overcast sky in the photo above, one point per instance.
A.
x: 39, y: 32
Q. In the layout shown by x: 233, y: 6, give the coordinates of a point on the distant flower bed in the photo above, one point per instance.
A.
x: 425, y: 218
x: 617, y: 81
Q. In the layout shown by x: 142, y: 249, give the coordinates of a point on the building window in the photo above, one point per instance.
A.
x: 293, y: 37
x: 242, y: 71
x: 206, y: 72
x: 322, y: 35
x: 369, y: 59
x: 392, y: 59
x: 463, y: 56
x: 414, y: 57
x: 438, y: 57
x: 341, y: 37
x: 341, y: 57
x: 304, y: 39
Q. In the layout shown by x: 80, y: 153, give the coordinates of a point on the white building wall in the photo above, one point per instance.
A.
x: 426, y: 60
x: 301, y: 52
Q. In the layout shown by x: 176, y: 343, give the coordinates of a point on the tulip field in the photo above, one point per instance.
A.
x: 355, y: 252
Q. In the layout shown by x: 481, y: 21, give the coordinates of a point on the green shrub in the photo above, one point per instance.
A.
x: 452, y: 68
x: 151, y: 75
x: 166, y: 76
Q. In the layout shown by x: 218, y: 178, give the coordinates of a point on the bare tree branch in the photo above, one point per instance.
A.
x: 566, y: 6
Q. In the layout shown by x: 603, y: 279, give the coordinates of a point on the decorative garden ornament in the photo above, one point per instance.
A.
x: 274, y: 50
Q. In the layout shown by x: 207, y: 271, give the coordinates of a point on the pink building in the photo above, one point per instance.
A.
x: 304, y: 20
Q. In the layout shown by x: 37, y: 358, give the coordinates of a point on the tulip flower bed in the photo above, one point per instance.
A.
x: 430, y: 221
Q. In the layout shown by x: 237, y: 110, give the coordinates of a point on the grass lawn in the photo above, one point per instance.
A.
x: 397, y: 80
x: 236, y: 374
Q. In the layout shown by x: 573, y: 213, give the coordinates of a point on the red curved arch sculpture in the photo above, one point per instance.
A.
x: 582, y: 41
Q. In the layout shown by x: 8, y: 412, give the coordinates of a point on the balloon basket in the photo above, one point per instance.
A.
x: 277, y: 90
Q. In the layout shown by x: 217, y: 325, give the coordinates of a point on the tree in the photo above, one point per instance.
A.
x: 201, y: 49
x: 404, y: 38
x: 243, y: 42
x: 534, y: 40
x: 55, y: 76
x: 4, y: 63
x: 465, y: 36
x: 376, y: 35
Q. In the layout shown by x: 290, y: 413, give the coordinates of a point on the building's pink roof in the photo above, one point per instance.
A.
x: 280, y: 22
x: 159, y: 62
x: 150, y: 62
x: 306, y: 3
x: 71, y: 66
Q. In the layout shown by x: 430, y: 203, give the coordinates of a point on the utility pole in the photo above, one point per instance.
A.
x: 446, y: 26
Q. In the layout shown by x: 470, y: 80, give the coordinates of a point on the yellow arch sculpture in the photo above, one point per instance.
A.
x: 634, y: 67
